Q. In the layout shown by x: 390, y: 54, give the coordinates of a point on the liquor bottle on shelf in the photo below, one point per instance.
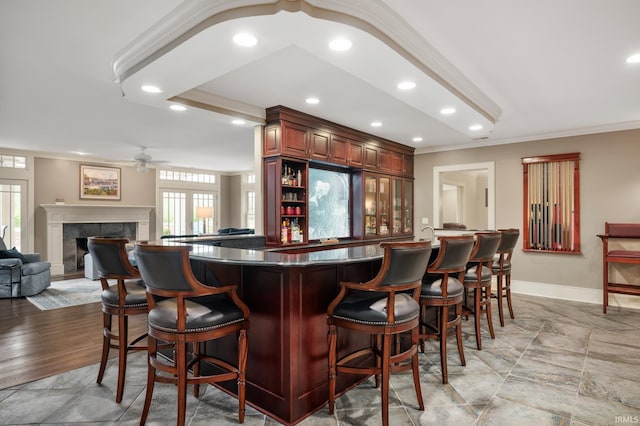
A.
x: 299, y: 178
x: 284, y: 233
x: 295, y: 231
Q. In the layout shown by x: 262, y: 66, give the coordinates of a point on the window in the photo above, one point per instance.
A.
x: 551, y: 208
x: 251, y: 209
x: 187, y: 176
x: 13, y: 161
x: 182, y: 217
x: 328, y: 204
x: 12, y: 204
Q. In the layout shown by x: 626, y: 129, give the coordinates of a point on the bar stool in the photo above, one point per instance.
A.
x: 502, y: 268
x: 478, y: 278
x: 184, y: 311
x: 125, y: 298
x: 442, y: 288
x: 384, y: 307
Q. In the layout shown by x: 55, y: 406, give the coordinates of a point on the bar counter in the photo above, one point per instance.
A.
x: 288, y: 295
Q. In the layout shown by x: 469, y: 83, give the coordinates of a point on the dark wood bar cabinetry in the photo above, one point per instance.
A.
x: 381, y: 172
x: 288, y: 296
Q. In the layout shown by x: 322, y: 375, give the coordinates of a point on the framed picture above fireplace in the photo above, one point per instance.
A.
x: 99, y: 183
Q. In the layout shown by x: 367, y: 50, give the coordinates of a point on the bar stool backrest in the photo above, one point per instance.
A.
x: 404, y: 263
x: 486, y: 247
x: 110, y: 257
x: 166, y: 269
x: 509, y: 240
x: 453, y: 255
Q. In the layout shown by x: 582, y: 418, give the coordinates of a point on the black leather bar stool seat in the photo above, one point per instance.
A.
x: 188, y: 314
x: 126, y: 297
x: 478, y: 279
x: 384, y: 307
x: 442, y: 289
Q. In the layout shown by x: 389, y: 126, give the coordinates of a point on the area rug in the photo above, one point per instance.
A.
x: 67, y: 293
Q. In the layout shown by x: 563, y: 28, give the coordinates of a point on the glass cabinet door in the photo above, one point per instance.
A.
x: 384, y: 198
x: 408, y: 206
x: 370, y: 206
x: 396, y: 207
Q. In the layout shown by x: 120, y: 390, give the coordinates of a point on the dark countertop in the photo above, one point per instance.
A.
x: 270, y: 258
x: 354, y: 254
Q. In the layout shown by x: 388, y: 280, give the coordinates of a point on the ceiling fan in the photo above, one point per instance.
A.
x: 143, y: 159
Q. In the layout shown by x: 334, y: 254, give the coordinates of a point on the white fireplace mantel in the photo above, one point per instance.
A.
x: 59, y: 214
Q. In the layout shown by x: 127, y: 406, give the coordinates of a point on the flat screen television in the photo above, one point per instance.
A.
x: 328, y: 204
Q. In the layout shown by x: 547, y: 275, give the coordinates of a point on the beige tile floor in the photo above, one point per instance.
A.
x: 557, y: 363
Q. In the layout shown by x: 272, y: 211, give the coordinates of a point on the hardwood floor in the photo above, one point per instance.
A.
x: 36, y: 344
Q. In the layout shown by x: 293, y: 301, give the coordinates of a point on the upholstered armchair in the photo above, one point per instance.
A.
x: 34, y: 274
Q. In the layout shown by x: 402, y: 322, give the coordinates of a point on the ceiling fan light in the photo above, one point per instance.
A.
x: 142, y: 168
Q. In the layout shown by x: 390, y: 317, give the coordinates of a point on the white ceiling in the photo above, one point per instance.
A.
x: 538, y: 69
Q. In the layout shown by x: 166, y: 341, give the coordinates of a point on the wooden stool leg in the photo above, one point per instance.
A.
x: 476, y: 315
x: 242, y: 367
x: 332, y: 367
x: 106, y: 342
x: 444, y: 319
x: 487, y: 308
x: 415, y: 365
x: 499, y: 294
x: 459, y: 333
x: 151, y: 379
x: 196, y: 367
x: 384, y: 373
x: 508, y: 286
x: 123, y: 342
x: 181, y: 366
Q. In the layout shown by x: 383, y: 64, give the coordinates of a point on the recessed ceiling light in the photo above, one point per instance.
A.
x: 151, y: 89
x: 245, y: 40
x: 634, y: 59
x: 475, y: 127
x: 417, y: 139
x: 312, y: 101
x: 376, y: 124
x: 177, y: 107
x: 340, y: 44
x: 238, y: 122
x: 447, y: 110
x: 406, y: 85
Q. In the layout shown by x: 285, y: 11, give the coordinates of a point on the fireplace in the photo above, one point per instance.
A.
x: 66, y: 222
x: 75, y: 237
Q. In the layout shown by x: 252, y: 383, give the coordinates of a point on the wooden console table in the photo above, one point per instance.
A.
x: 615, y: 231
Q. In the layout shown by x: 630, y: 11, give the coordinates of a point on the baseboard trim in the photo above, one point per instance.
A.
x: 575, y: 294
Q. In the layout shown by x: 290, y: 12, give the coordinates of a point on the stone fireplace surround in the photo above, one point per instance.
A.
x: 57, y: 215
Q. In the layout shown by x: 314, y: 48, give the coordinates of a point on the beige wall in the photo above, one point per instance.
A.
x: 234, y: 199
x: 230, y: 201
x: 610, y: 191
x: 56, y: 178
